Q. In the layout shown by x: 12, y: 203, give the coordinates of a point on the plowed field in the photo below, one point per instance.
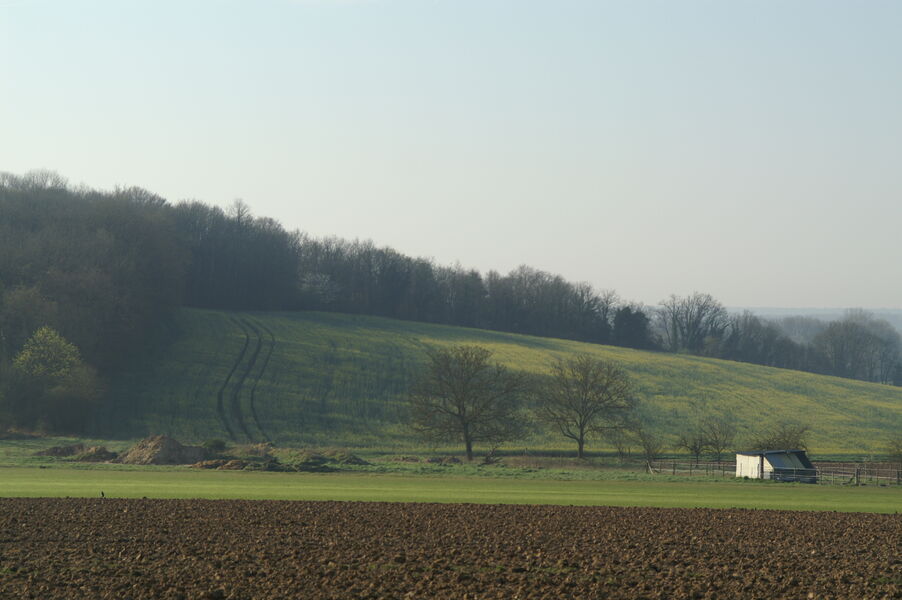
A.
x: 79, y: 548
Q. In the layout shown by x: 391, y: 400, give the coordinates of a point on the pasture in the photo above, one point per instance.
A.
x: 324, y: 379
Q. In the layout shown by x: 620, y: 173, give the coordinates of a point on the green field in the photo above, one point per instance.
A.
x: 324, y: 379
x: 182, y: 483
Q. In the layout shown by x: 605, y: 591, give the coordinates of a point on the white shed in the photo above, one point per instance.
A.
x: 779, y: 465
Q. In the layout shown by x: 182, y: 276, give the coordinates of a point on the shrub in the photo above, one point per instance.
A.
x: 214, y: 447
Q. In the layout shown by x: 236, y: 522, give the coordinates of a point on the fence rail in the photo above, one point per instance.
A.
x: 823, y: 473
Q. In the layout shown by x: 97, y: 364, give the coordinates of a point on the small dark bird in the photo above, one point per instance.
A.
x: 101, y: 494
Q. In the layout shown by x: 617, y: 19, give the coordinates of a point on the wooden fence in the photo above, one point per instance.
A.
x: 823, y: 473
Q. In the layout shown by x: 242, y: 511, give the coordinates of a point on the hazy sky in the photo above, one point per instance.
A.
x: 752, y: 150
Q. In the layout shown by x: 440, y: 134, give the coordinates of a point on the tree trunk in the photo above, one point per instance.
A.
x: 580, y: 445
x: 469, y: 444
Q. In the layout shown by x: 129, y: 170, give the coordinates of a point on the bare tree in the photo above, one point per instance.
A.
x: 651, y: 444
x: 693, y: 442
x: 585, y: 395
x: 861, y: 347
x: 719, y: 434
x: 608, y: 302
x: 463, y: 396
x: 621, y: 440
x: 687, y: 324
x: 782, y: 436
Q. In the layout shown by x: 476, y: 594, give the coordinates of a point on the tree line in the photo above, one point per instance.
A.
x: 856, y: 346
x: 104, y: 269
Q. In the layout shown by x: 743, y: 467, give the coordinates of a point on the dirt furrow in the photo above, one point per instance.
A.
x: 103, y: 548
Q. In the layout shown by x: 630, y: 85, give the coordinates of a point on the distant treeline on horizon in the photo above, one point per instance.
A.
x: 104, y: 268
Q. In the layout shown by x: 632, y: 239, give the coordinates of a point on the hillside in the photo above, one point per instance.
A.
x: 331, y: 379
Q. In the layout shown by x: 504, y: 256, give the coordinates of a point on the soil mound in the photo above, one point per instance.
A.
x: 96, y: 454
x: 233, y: 465
x: 237, y: 464
x: 162, y: 450
x: 343, y: 457
x: 210, y: 464
x: 312, y: 462
x: 62, y: 451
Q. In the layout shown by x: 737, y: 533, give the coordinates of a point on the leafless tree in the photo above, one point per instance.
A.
x: 651, y: 444
x: 621, y: 440
x: 861, y: 347
x: 694, y: 442
x: 719, y: 434
x: 462, y: 396
x: 782, y: 436
x: 608, y: 303
x: 585, y: 395
x: 687, y: 324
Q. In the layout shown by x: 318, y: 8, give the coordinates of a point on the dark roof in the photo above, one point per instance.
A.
x: 760, y: 452
x: 800, y: 454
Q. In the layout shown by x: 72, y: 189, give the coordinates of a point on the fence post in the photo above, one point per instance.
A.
x: 674, y: 467
x: 857, y: 476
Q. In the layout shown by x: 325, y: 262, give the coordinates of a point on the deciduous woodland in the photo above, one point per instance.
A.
x: 102, y: 270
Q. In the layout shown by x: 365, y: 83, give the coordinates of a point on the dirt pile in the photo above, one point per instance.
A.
x: 313, y: 462
x: 343, y: 457
x: 96, y: 454
x: 162, y: 450
x: 237, y: 464
x: 215, y: 463
x: 94, y: 548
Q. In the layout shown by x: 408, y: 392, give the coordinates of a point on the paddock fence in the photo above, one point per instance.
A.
x: 825, y: 473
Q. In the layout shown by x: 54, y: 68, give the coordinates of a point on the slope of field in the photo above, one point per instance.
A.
x: 330, y: 379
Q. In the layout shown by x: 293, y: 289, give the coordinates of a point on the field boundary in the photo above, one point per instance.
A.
x: 824, y: 473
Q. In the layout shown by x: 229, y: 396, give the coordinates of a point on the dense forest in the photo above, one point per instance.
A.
x: 95, y: 273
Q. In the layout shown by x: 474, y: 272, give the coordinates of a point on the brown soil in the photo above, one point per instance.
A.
x: 216, y: 463
x: 96, y: 454
x: 62, y: 548
x: 162, y: 450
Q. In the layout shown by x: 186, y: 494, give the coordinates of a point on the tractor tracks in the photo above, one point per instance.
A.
x: 253, y: 405
x: 220, y: 395
x: 229, y: 406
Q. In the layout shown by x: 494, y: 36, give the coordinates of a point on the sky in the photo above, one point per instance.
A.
x: 747, y: 149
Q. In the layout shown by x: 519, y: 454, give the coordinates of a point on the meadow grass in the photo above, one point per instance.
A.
x: 326, y: 379
x: 184, y: 483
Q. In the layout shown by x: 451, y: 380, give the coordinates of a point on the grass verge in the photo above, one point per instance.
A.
x: 184, y: 483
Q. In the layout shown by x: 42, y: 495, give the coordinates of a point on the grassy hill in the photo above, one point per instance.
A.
x: 312, y: 378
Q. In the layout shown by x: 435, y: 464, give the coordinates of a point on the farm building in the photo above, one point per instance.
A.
x: 779, y: 465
